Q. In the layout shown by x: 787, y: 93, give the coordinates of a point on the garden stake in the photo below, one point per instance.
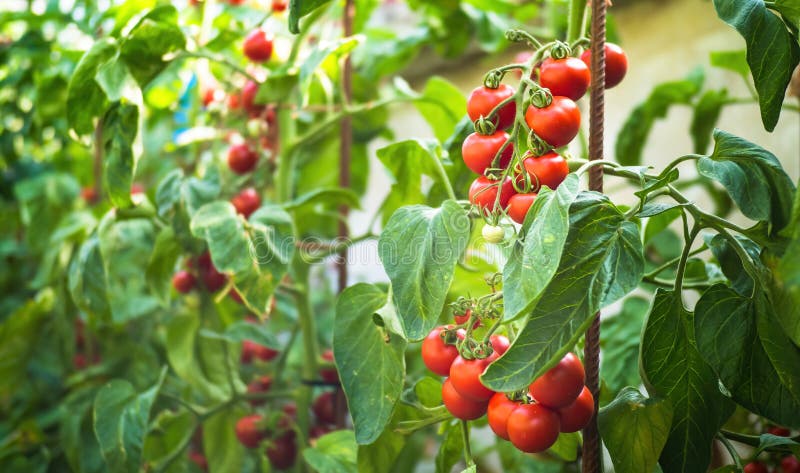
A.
x: 592, y: 453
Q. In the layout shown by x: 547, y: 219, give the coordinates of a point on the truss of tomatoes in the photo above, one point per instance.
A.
x: 556, y: 402
x: 556, y: 123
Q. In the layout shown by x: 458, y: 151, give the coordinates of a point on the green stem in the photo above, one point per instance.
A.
x: 309, y: 333
x: 448, y: 186
x: 467, y: 448
x: 577, y: 9
x: 298, y: 40
x: 673, y: 262
x: 487, y: 338
x: 177, y: 452
x: 731, y: 451
x: 218, y: 60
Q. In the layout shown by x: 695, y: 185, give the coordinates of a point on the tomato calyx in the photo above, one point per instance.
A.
x: 493, y: 78
x: 560, y: 50
x: 484, y: 125
x: 539, y: 97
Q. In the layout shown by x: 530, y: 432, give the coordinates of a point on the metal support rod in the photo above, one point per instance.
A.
x: 592, y: 451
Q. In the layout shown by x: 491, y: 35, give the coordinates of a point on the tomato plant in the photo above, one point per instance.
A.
x: 187, y: 190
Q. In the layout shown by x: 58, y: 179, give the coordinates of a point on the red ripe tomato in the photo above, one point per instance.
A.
x: 518, y: 206
x: 234, y: 101
x: 561, y: 385
x: 616, y: 64
x: 549, y: 169
x: 208, y: 97
x: 246, y: 202
x: 235, y: 2
x: 329, y: 374
x: 755, y: 467
x: 265, y: 353
x: 436, y: 354
x: 461, y: 407
x: 282, y: 452
x: 500, y: 407
x: 198, y: 459
x: 779, y: 431
x: 260, y: 384
x: 249, y: 92
x: 242, y: 159
x: 568, y: 77
x: 558, y: 123
x: 465, y: 377
x: 533, y: 428
x: 324, y: 408
x: 213, y: 279
x: 248, y: 431
x: 483, y: 193
x: 258, y: 46
x: 183, y: 281
x: 479, y: 151
x: 575, y: 416
x: 279, y: 5
x: 483, y: 100
x: 462, y: 319
x: 500, y: 344
x: 248, y: 352
x: 790, y: 464
x: 89, y: 195
x: 318, y: 431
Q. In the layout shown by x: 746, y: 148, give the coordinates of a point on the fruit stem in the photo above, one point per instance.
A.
x: 731, y: 451
x: 309, y: 333
x: 467, y: 449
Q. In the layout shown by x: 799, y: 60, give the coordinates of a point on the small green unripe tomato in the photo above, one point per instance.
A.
x: 493, y: 233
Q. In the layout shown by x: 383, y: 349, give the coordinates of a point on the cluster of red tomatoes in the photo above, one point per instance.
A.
x: 555, y: 119
x: 277, y: 427
x: 784, y: 464
x: 556, y: 402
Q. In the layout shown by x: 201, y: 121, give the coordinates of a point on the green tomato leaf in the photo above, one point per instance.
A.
x: 632, y: 138
x: 121, y: 421
x: 673, y: 368
x: 766, y: 441
x: 124, y: 245
x: 242, y: 330
x: 728, y: 338
x: 87, y: 280
x: 161, y: 266
x: 333, y: 453
x: 85, y: 99
x: 772, y: 52
x: 332, y: 51
x: 407, y: 161
x: 567, y: 446
x: 450, y: 449
x: 120, y: 127
x: 370, y: 358
x: 17, y: 333
x: 386, y: 449
x: 169, y: 430
x: 620, y: 344
x: 602, y: 261
x: 442, y: 104
x: 705, y: 116
x: 535, y: 259
x: 730, y: 263
x: 202, y: 362
x: 790, y: 11
x: 753, y: 177
x: 244, y: 253
x: 223, y: 450
x: 43, y: 201
x: 635, y: 429
x: 490, y: 27
x: 155, y: 35
x: 419, y: 249
x: 301, y: 8
x: 734, y: 61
